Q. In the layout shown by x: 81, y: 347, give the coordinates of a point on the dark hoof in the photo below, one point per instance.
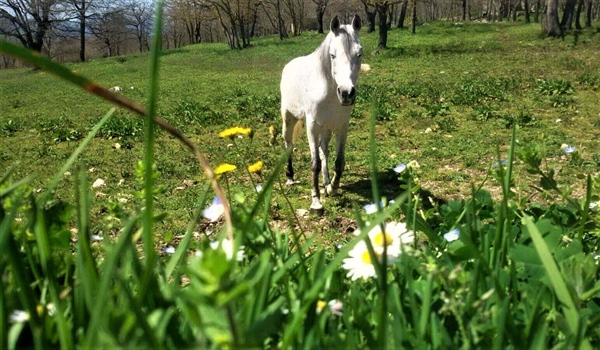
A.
x: 317, y: 212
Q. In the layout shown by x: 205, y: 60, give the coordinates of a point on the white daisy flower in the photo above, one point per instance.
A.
x: 335, y: 306
x: 395, y: 237
x: 359, y: 264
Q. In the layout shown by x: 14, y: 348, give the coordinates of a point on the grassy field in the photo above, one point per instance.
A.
x: 492, y: 241
x: 446, y: 98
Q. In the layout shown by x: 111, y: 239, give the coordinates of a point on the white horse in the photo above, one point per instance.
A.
x: 321, y: 88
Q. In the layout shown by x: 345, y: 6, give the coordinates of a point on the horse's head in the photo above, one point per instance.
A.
x: 345, y: 54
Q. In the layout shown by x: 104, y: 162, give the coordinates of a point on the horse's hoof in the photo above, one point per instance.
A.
x: 289, y: 182
x: 316, y: 208
x: 317, y: 211
x: 330, y: 190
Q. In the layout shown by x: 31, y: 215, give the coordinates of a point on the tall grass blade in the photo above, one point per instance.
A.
x: 148, y: 218
x: 558, y: 284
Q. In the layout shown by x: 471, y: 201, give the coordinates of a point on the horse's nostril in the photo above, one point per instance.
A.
x: 352, y: 93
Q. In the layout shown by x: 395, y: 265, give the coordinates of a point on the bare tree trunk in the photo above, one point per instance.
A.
x: 82, y: 32
x: 371, y: 15
x: 414, y: 17
x: 402, y: 14
x: 536, y: 17
x: 527, y: 13
x: 550, y: 24
x: 567, y: 19
x: 580, y: 4
x: 588, y: 14
x: 382, y: 12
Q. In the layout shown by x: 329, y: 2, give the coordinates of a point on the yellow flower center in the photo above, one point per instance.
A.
x: 366, y: 257
x: 321, y: 304
x: 383, y: 239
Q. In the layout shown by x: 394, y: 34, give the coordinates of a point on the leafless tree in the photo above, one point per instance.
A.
x: 274, y: 13
x: 29, y: 20
x: 110, y: 31
x: 236, y: 19
x: 295, y: 11
x: 79, y: 12
x: 321, y: 7
x: 138, y: 16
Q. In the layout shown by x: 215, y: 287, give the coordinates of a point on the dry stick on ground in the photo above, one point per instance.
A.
x: 43, y: 63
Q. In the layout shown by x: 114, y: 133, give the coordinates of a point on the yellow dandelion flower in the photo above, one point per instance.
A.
x: 236, y: 131
x: 256, y: 167
x: 224, y: 168
x: 273, y: 136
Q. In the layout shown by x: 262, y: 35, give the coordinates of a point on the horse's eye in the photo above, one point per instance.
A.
x: 332, y: 56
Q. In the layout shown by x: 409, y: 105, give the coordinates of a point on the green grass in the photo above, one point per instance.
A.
x: 442, y: 79
x: 455, y: 98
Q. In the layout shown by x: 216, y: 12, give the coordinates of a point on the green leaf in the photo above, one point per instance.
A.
x: 558, y: 284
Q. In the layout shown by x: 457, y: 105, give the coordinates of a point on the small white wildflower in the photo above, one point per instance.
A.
x: 452, y: 235
x: 51, y: 309
x: 117, y: 145
x: 169, y: 250
x: 558, y: 120
x: 400, y: 168
x: 259, y: 188
x: 97, y: 238
x: 98, y: 183
x: 67, y: 174
x: 215, y: 210
x: 335, y: 306
x: 227, y: 246
x: 413, y: 164
x: 18, y: 316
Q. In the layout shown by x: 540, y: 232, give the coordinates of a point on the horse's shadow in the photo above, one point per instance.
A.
x: 390, y: 187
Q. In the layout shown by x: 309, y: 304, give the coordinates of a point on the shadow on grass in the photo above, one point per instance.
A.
x: 390, y: 187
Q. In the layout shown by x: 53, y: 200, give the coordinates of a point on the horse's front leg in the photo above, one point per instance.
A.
x: 324, y: 154
x: 315, y: 161
x: 289, y: 123
x: 340, y: 158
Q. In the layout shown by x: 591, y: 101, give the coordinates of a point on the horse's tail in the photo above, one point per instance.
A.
x: 297, y: 129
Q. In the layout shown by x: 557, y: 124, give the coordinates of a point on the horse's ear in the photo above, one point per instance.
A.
x: 356, y: 23
x: 335, y: 25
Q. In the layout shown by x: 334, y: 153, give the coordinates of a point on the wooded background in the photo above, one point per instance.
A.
x: 80, y: 30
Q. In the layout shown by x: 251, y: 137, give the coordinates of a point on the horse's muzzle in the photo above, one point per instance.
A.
x: 347, y: 97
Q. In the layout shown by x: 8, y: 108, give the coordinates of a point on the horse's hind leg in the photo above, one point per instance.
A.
x: 289, y: 123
